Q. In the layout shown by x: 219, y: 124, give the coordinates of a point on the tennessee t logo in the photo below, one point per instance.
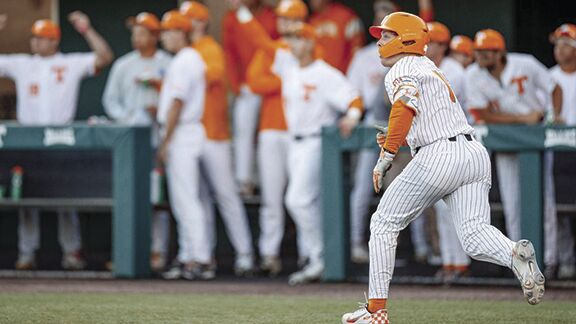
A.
x: 520, y: 83
x: 59, y: 72
x: 308, y: 89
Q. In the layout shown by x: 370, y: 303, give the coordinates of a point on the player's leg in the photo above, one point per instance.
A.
x: 70, y: 239
x: 246, y: 109
x: 273, y: 169
x: 217, y: 161
x: 550, y: 218
x: 28, y: 238
x: 508, y: 171
x: 360, y: 203
x: 304, y: 205
x: 160, y: 235
x: 566, y: 258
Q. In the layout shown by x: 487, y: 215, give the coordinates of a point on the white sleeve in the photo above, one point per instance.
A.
x: 544, y: 79
x: 405, y: 87
x: 84, y: 64
x: 191, y: 70
x: 340, y: 91
x: 281, y: 62
x: 475, y: 99
x: 112, y: 97
x: 9, y: 64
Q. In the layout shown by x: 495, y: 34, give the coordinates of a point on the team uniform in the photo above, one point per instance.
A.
x: 566, y: 258
x: 340, y: 34
x: 126, y: 99
x: 216, y: 157
x: 273, y: 140
x: 185, y: 80
x: 47, y: 90
x: 314, y: 96
x: 517, y: 93
x: 238, y: 53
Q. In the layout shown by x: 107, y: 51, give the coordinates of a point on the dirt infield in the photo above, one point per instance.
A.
x: 265, y: 287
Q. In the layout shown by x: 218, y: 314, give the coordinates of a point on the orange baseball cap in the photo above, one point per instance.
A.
x: 175, y: 20
x: 146, y: 20
x: 194, y: 10
x: 461, y: 44
x: 438, y: 32
x: 565, y: 30
x: 489, y: 39
x: 46, y: 28
x: 292, y: 9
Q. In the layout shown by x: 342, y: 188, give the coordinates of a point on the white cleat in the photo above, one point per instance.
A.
x: 362, y: 316
x: 526, y: 270
x: 312, y: 272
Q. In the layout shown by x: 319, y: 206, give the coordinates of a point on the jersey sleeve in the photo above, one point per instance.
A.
x: 260, y: 77
x: 191, y: 71
x: 9, y: 65
x: 544, y: 79
x: 281, y: 62
x: 83, y: 63
x: 230, y: 52
x: 340, y: 92
x: 405, y: 87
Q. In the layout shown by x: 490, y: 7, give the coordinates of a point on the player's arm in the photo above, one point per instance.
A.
x: 260, y: 77
x: 231, y: 53
x: 171, y: 122
x: 557, y: 104
x: 352, y: 117
x: 112, y: 97
x: 215, y: 66
x: 104, y: 55
x: 254, y: 33
x: 491, y: 115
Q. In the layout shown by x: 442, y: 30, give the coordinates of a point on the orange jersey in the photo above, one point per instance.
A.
x: 262, y: 81
x: 215, y: 117
x: 339, y: 33
x: 237, y: 50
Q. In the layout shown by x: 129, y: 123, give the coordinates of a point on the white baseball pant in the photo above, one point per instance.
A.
x: 216, y: 165
x: 508, y: 170
x: 183, y: 175
x: 303, y: 194
x: 459, y: 173
x: 246, y: 114
x: 273, y: 169
x: 451, y: 250
x: 160, y: 232
x: 69, y: 235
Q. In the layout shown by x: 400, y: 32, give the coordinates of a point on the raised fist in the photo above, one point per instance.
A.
x: 80, y: 21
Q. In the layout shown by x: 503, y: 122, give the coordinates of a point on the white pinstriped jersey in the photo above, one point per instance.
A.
x: 425, y: 88
x: 567, y: 82
x: 517, y: 90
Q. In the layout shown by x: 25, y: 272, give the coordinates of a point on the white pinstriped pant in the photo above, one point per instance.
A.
x: 459, y: 173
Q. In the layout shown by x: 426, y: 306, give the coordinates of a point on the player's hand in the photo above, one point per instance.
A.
x: 347, y: 125
x: 152, y: 112
x: 382, y: 166
x: 80, y: 21
x: 3, y: 20
x: 162, y: 154
x: 533, y: 118
x: 381, y: 135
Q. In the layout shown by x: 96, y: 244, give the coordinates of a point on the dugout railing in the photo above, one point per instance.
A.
x: 130, y: 201
x: 528, y: 141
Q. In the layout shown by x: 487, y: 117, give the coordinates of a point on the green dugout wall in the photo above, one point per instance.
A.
x: 528, y: 141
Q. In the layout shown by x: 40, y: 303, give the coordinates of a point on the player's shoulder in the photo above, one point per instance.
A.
x: 187, y: 55
x: 16, y: 58
x: 126, y: 58
x: 555, y: 69
x: 521, y: 58
x: 473, y: 70
x: 450, y: 64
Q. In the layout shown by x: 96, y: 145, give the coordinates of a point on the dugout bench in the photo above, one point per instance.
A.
x: 528, y: 141
x: 130, y: 201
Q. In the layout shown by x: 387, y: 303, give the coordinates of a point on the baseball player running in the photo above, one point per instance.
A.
x: 455, y: 262
x: 503, y: 88
x: 273, y: 139
x: 314, y: 94
x: 216, y: 155
x: 448, y: 164
x: 47, y: 85
x: 564, y: 73
x: 180, y: 110
x: 131, y: 98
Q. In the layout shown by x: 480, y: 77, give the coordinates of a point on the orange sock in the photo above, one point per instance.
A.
x: 461, y: 268
x: 375, y: 305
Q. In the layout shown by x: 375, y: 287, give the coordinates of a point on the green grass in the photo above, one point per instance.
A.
x: 190, y: 308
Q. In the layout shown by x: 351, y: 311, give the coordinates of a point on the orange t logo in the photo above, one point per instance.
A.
x: 308, y: 88
x: 520, y: 83
x: 34, y: 89
x: 59, y: 73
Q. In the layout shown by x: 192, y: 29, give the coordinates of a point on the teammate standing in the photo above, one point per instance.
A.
x: 455, y: 262
x: 239, y: 53
x: 448, y: 164
x: 131, y: 98
x: 339, y: 31
x: 47, y: 85
x: 273, y: 139
x: 502, y: 88
x: 564, y: 73
x: 216, y: 155
x: 461, y: 50
x: 180, y: 110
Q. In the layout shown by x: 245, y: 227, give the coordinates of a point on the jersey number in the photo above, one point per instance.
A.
x: 441, y: 77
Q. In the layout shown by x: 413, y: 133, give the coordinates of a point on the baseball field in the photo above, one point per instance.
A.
x: 107, y: 301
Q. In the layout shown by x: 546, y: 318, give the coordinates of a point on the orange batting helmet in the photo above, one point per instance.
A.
x: 411, y: 31
x: 46, y: 28
x: 489, y: 39
x: 195, y: 10
x: 438, y: 32
x: 461, y: 44
x: 175, y: 20
x: 292, y: 9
